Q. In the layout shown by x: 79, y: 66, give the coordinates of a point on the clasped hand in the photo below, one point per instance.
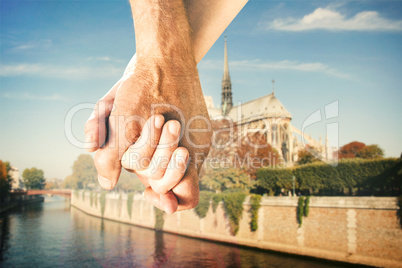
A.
x: 157, y: 127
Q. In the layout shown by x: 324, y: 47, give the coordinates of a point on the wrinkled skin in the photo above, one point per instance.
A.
x: 178, y: 90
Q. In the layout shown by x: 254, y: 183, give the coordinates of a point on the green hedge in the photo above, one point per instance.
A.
x: 130, y: 198
x: 234, y: 209
x: 300, y: 210
x: 255, y: 201
x: 216, y: 199
x: 233, y: 205
x: 102, y: 201
x: 159, y: 219
x: 307, y: 206
x: 203, y: 205
x: 96, y: 200
x: 91, y: 198
x: 379, y: 176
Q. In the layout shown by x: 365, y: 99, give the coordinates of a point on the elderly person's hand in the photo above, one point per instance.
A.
x: 165, y: 82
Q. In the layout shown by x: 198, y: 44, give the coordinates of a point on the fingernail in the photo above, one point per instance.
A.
x: 159, y: 119
x: 105, y: 183
x: 174, y: 127
x: 89, y: 142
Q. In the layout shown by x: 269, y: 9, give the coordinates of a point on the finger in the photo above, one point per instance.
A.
x: 169, y: 202
x: 108, y: 166
x: 168, y: 143
x: 166, y: 202
x: 173, y: 174
x: 122, y: 131
x: 187, y: 190
x: 95, y: 127
x: 138, y: 155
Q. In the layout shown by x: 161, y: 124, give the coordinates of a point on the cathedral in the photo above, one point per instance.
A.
x: 267, y: 115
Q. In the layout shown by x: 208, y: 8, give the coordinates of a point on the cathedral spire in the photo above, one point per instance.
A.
x: 226, y: 75
x: 227, y: 102
x: 273, y: 87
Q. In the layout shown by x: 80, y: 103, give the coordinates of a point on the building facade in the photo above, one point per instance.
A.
x: 266, y: 115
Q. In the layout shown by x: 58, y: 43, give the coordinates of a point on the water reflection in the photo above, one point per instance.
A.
x: 53, y: 234
x: 4, y: 236
x: 159, y: 255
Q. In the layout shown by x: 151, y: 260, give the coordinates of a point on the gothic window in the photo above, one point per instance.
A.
x: 273, y: 134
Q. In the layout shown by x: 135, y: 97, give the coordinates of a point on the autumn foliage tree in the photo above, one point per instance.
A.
x: 350, y: 150
x: 357, y: 149
x: 231, y: 147
x: 5, y: 181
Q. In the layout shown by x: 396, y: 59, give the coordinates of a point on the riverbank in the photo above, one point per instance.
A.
x: 54, y: 234
x: 360, y: 230
x: 21, y: 202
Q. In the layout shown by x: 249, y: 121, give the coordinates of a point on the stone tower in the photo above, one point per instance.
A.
x: 227, y: 102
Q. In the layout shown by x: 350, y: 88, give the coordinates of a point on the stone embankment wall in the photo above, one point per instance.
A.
x: 361, y: 230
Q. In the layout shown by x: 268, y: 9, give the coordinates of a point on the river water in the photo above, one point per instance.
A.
x: 53, y: 234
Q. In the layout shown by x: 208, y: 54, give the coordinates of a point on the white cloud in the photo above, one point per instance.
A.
x: 28, y: 96
x: 105, y: 59
x: 329, y: 19
x: 34, y: 44
x: 59, y: 71
x: 278, y: 65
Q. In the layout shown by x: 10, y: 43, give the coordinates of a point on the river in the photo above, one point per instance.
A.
x: 53, y: 234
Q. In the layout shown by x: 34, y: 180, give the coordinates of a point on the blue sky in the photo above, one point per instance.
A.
x: 57, y: 54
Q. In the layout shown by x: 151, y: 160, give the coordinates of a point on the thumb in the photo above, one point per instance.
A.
x: 107, y: 163
x: 122, y: 132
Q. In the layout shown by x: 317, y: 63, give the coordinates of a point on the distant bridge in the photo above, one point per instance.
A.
x: 65, y: 192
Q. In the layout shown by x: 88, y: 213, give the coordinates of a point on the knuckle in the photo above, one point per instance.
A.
x: 105, y: 158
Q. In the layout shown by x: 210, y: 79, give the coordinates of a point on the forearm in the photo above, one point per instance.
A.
x: 162, y: 32
x: 208, y: 19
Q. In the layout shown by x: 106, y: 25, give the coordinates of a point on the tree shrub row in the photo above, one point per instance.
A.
x: 370, y: 177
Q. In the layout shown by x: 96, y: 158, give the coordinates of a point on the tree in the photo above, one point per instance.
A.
x: 360, y: 150
x: 350, y: 150
x: 53, y: 184
x: 84, y: 173
x: 34, y: 178
x: 5, y: 181
x: 370, y: 152
x: 129, y: 182
x: 305, y: 157
x: 232, y: 147
x: 255, y: 147
x: 222, y: 179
